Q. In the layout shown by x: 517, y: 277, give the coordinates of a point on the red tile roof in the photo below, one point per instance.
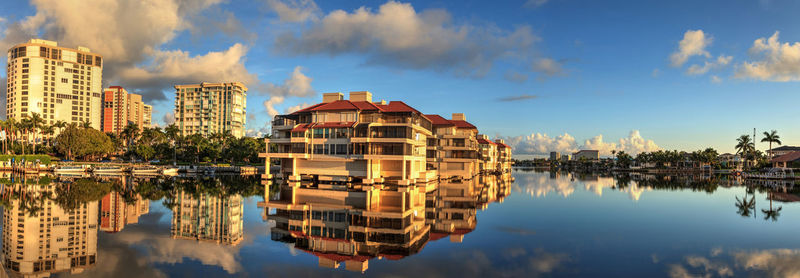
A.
x: 437, y: 120
x: 792, y: 156
x: 502, y: 145
x: 397, y: 106
x: 463, y: 124
x: 487, y: 142
x: 302, y: 127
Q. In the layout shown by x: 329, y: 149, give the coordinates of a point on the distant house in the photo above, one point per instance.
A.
x: 789, y: 160
x: 586, y: 154
x: 555, y: 156
x: 782, y: 150
x: 729, y: 160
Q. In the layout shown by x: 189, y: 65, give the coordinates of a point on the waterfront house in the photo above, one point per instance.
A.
x: 453, y: 150
x: 487, y: 162
x: 782, y: 150
x: 730, y: 161
x: 504, y: 162
x: 339, y: 140
x: 788, y: 160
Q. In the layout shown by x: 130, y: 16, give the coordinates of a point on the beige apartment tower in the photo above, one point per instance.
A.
x: 121, y: 108
x: 58, y: 83
x: 209, y: 108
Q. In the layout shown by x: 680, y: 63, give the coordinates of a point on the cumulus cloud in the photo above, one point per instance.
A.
x: 694, y: 43
x: 756, y: 263
x: 542, y: 144
x: 518, y: 97
x: 775, y: 262
x: 720, y: 62
x: 129, y: 34
x: 514, y: 76
x: 773, y: 61
x: 298, y: 85
x: 716, y: 79
x: 269, y: 105
x: 396, y: 35
x: 294, y: 10
x: 292, y: 109
x: 169, y: 118
x: 633, y: 144
x: 548, y: 67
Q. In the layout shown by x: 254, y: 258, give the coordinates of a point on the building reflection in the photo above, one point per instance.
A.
x: 40, y: 236
x: 207, y: 217
x: 352, y: 224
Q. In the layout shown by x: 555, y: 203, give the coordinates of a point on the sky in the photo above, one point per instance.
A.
x: 545, y: 75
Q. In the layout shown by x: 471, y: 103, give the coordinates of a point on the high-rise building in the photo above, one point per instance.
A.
x: 209, y: 108
x: 58, y: 83
x: 50, y: 240
x: 121, y: 108
x: 115, y: 213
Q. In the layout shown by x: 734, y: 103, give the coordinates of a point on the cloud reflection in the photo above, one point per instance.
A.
x: 763, y: 263
x: 539, y: 185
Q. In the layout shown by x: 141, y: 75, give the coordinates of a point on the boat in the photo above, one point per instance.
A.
x: 71, y: 169
x: 169, y: 171
x: 107, y: 170
x: 145, y: 170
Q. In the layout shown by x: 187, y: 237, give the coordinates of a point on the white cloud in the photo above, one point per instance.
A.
x: 720, y: 62
x: 548, y: 67
x: 542, y: 144
x: 694, y: 43
x: 775, y: 262
x: 269, y: 105
x: 298, y: 85
x: 715, y: 79
x: 773, y: 61
x: 292, y: 109
x: 396, y: 35
x: 534, y: 3
x: 165, y: 250
x: 294, y: 10
x: 129, y: 34
x: 169, y: 118
x: 633, y: 144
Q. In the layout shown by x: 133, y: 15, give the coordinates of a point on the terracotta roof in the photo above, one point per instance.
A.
x: 302, y: 127
x: 336, y: 105
x: 461, y: 231
x: 437, y: 120
x: 397, y: 106
x: 484, y: 141
x: 338, y: 257
x: 308, y: 108
x: 502, y: 145
x: 437, y: 236
x: 786, y: 148
x: 463, y: 124
x: 792, y: 156
x: 334, y: 124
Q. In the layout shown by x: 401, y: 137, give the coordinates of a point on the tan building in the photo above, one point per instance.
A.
x: 58, y: 83
x: 121, y: 108
x: 453, y: 150
x: 208, y: 218
x: 209, y: 108
x: 115, y: 214
x: 357, y: 139
x: 488, y: 150
x: 504, y: 162
x: 50, y: 240
x: 350, y: 226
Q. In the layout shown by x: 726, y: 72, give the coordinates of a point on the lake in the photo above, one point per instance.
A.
x: 527, y: 223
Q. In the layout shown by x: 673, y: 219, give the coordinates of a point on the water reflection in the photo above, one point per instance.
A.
x: 354, y: 223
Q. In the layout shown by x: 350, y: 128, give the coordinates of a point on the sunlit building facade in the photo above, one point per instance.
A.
x: 115, y: 214
x: 453, y: 150
x: 341, y: 140
x: 488, y: 154
x: 209, y: 108
x: 121, y: 108
x: 58, y: 83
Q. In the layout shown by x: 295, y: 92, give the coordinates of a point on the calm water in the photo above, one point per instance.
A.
x: 541, y: 224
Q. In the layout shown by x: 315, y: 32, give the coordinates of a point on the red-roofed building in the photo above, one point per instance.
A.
x: 487, y: 163
x: 355, y: 138
x: 454, y: 149
x: 788, y: 160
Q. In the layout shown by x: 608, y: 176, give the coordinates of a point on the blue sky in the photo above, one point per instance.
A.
x: 584, y: 74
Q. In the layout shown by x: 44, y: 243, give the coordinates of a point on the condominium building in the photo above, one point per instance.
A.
x: 208, y: 218
x: 453, y: 150
x: 58, y: 83
x: 355, y: 139
x: 48, y: 240
x: 121, y: 108
x: 349, y: 226
x: 487, y: 163
x: 591, y: 155
x: 209, y: 108
x: 504, y: 162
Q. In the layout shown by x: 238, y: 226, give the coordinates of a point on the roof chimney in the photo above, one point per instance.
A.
x: 501, y: 141
x: 331, y: 97
x: 361, y: 96
x: 459, y: 117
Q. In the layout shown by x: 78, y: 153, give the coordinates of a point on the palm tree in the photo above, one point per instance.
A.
x: 60, y: 125
x: 48, y: 130
x: 130, y: 133
x: 36, y: 123
x: 23, y: 127
x: 745, y: 146
x: 772, y: 214
x: 745, y: 206
x: 771, y: 137
x: 86, y: 124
